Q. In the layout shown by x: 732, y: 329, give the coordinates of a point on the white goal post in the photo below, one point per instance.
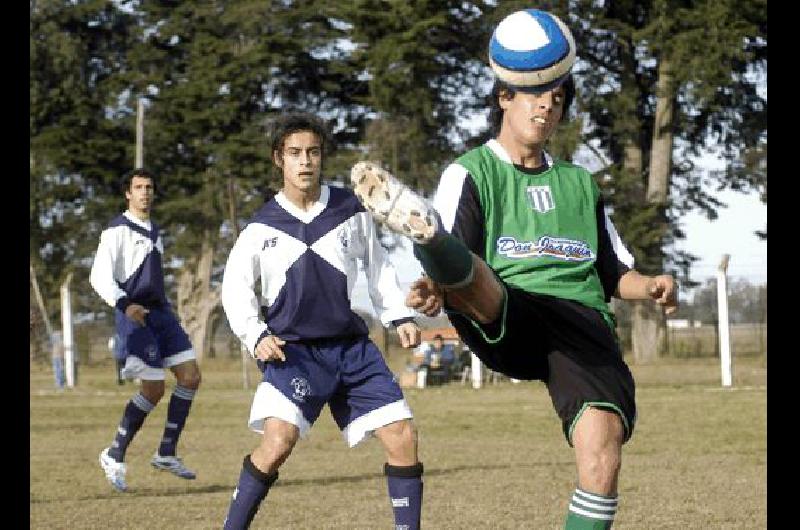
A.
x: 66, y: 326
x: 724, y: 328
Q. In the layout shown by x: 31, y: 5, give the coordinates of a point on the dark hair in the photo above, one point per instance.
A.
x: 294, y: 122
x: 127, y: 178
x: 437, y: 336
x: 496, y: 112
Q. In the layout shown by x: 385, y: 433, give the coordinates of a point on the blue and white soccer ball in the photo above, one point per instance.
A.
x: 532, y: 49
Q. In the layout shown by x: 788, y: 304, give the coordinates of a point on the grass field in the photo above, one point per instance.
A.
x: 494, y: 458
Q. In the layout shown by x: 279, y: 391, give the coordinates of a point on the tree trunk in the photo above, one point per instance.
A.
x: 196, y: 298
x: 661, y: 151
x: 648, y: 332
x: 649, y: 327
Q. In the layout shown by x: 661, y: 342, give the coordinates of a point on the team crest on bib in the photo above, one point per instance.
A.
x: 301, y: 389
x: 541, y: 198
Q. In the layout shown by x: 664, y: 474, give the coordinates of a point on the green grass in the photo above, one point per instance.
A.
x: 494, y: 458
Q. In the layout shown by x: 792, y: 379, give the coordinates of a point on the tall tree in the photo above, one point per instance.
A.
x: 662, y: 81
x: 78, y: 143
x: 214, y: 73
x: 425, y: 64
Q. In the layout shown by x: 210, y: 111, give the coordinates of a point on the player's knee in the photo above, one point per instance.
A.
x: 407, y: 434
x: 190, y: 379
x: 400, y: 438
x: 278, y: 443
x: 604, y: 463
x: 153, y: 391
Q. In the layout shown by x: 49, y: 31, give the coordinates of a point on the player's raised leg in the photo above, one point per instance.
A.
x: 470, y: 284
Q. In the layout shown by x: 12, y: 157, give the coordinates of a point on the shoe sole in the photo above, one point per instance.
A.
x: 391, y: 202
x: 161, y: 468
x: 103, y: 467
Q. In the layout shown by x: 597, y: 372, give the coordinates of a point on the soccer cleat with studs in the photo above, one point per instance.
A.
x: 115, y: 471
x: 392, y: 203
x: 174, y: 465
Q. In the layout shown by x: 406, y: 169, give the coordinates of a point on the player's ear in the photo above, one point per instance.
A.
x: 277, y: 159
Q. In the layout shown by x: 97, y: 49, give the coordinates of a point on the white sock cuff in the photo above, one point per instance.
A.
x: 183, y: 392
x: 142, y: 403
x: 593, y: 505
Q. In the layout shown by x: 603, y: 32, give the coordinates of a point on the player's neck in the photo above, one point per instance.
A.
x: 528, y: 156
x: 303, y: 199
x: 141, y: 215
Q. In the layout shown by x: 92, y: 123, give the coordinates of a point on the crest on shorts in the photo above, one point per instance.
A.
x: 541, y: 198
x: 301, y: 389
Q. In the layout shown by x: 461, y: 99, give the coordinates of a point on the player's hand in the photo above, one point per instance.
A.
x: 269, y: 349
x: 425, y: 297
x: 409, y: 334
x: 664, y: 291
x: 136, y: 313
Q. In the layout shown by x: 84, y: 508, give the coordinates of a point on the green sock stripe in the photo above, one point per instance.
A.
x: 593, y: 506
x: 579, y: 522
x: 595, y: 497
x: 592, y: 514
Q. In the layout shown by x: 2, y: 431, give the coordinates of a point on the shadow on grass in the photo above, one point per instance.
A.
x: 322, y: 481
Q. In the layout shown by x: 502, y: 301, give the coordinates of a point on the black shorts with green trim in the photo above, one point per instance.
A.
x: 567, y: 345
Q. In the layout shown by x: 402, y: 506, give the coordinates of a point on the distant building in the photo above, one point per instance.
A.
x: 683, y: 323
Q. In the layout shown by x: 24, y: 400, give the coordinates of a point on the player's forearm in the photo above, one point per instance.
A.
x: 242, y: 309
x: 633, y: 286
x: 102, y: 281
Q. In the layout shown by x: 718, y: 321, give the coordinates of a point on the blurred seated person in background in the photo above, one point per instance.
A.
x: 439, y: 358
x: 440, y: 354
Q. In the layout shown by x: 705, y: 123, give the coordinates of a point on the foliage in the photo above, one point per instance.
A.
x: 395, y: 80
x: 717, y: 51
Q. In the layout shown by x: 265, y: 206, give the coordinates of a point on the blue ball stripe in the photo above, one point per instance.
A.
x: 555, y: 50
x: 528, y: 60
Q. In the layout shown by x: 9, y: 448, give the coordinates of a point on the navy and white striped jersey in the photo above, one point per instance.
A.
x: 127, y: 266
x: 307, y: 264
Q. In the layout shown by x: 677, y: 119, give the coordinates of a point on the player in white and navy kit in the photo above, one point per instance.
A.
x: 127, y: 274
x: 286, y: 292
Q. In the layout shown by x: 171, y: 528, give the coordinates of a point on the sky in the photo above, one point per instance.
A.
x: 731, y: 233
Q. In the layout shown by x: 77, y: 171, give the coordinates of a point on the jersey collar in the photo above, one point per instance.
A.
x: 302, y: 215
x: 502, y: 154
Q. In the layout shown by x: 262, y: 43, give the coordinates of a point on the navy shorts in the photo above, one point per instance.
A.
x: 148, y: 349
x: 563, y: 343
x: 348, y: 374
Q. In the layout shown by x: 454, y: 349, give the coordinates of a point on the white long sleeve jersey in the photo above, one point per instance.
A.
x: 127, y: 265
x: 307, y: 264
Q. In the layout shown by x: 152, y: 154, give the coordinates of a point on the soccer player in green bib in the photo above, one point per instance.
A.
x: 519, y: 251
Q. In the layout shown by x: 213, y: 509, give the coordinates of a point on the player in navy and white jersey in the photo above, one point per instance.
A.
x: 127, y: 274
x: 286, y: 292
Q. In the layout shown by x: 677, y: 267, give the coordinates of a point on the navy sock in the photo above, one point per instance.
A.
x: 253, y: 487
x: 132, y: 419
x: 179, y: 405
x: 405, y: 492
x: 446, y: 260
